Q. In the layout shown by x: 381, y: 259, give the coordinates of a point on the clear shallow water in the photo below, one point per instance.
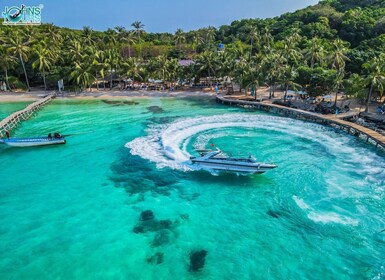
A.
x: 70, y: 211
x: 7, y: 108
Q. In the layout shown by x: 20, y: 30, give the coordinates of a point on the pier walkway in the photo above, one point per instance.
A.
x: 13, y: 120
x: 337, y: 122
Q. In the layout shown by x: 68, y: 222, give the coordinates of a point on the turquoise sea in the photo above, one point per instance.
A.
x: 73, y: 211
x: 7, y: 108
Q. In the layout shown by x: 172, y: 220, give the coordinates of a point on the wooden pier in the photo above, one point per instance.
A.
x: 362, y: 132
x: 13, y: 120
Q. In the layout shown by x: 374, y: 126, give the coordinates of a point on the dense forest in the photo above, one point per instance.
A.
x: 332, y: 46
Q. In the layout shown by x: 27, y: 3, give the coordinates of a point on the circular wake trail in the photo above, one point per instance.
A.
x: 166, y: 145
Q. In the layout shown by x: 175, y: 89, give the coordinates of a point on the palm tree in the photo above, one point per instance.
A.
x: 290, y: 49
x: 43, y: 60
x: 337, y: 84
x: 210, y: 36
x: 129, y: 40
x: 273, y: 66
x: 197, y: 39
x: 375, y: 77
x: 161, y: 68
x: 76, y: 50
x: 139, y: 28
x: 179, y: 37
x: 87, y: 35
x: 112, y: 59
x: 207, y: 62
x: 227, y: 65
x: 19, y: 46
x: 267, y: 39
x: 110, y: 38
x: 6, y: 62
x: 54, y: 33
x: 254, y: 38
x: 315, y: 52
x: 82, y: 75
x: 134, y: 69
x: 289, y: 74
x: 242, y: 69
x: 172, y: 69
x: 125, y: 37
x: 100, y: 65
x: 337, y: 57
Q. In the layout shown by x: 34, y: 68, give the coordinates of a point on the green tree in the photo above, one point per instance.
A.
x: 82, y: 75
x: 207, y: 62
x: 315, y: 52
x: 179, y: 38
x: 43, y: 62
x: 6, y: 62
x: 138, y: 29
x: 133, y: 69
x: 19, y: 46
x: 111, y: 61
x: 375, y: 76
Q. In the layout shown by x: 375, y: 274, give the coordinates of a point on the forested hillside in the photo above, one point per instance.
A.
x: 336, y: 44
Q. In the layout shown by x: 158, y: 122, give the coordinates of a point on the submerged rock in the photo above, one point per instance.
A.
x: 125, y: 174
x: 120, y: 102
x: 147, y: 215
x: 184, y: 216
x: 130, y: 102
x: 197, y: 260
x: 155, y: 109
x: 152, y: 225
x: 274, y: 214
x: 157, y: 258
x: 161, y: 238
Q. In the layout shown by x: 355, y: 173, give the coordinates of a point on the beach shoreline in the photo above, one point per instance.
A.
x: 114, y: 94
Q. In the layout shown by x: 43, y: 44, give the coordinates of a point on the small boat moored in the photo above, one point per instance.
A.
x: 34, y: 141
x: 212, y: 159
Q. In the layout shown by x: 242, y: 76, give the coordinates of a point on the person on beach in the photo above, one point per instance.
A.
x: 8, y: 134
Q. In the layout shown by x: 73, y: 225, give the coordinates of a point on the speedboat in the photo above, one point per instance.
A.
x: 214, y: 159
x: 34, y: 141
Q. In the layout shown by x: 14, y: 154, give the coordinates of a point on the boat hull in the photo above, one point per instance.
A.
x: 33, y: 142
x: 230, y: 167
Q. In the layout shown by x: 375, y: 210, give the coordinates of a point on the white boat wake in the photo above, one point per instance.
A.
x: 166, y: 145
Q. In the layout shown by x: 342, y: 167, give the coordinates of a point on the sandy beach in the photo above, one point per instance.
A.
x: 101, y: 94
x: 262, y: 93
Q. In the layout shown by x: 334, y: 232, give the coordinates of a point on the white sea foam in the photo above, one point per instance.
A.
x: 330, y: 217
x: 300, y: 203
x: 323, y: 217
x: 166, y: 145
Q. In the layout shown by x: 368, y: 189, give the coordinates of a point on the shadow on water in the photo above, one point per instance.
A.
x: 4, y: 149
x: 230, y: 179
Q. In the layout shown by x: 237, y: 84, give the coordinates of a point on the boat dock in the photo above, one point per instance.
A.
x: 13, y: 120
x: 338, y: 122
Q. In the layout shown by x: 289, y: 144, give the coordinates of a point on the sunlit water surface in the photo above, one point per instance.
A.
x: 73, y: 211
